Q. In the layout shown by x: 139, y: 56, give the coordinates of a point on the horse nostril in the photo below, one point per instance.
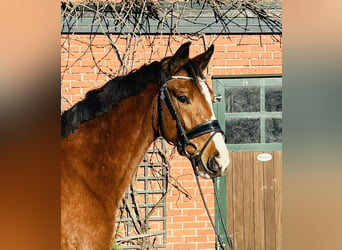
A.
x: 213, y: 164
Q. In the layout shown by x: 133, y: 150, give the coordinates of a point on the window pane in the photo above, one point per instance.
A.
x: 242, y: 131
x: 273, y: 100
x: 242, y: 99
x: 274, y: 130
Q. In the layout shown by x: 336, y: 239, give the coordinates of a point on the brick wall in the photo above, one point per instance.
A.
x: 187, y: 224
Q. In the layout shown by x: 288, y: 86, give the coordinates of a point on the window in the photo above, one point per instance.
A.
x: 250, y: 111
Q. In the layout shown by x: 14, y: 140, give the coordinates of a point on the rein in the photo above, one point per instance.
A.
x: 211, y: 126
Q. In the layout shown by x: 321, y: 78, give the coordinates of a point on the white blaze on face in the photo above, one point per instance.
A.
x: 223, y: 157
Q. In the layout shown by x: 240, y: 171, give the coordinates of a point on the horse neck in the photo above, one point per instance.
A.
x: 114, y: 144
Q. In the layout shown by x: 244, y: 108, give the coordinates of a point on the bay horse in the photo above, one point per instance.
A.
x: 105, y: 136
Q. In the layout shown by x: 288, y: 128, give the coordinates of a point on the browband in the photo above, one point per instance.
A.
x: 182, y: 77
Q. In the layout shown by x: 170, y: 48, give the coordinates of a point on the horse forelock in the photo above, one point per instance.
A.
x: 194, y: 71
x: 99, y: 101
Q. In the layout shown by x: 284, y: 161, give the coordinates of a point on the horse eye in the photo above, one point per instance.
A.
x: 183, y: 99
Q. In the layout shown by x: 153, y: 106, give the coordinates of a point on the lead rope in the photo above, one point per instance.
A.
x: 218, y: 236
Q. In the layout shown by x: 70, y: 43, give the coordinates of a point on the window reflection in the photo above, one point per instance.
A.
x: 242, y: 99
x: 243, y: 130
x: 273, y: 99
x: 273, y: 130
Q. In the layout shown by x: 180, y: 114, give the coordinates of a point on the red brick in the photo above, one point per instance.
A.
x: 259, y: 62
x: 219, y: 62
x: 187, y: 177
x: 265, y: 55
x: 225, y: 41
x: 248, y: 55
x: 200, y: 238
x: 276, y: 47
x: 76, y: 77
x: 82, y: 70
x: 183, y: 232
x: 98, y: 49
x: 239, y: 48
x: 278, y: 70
x: 174, y: 240
x: 182, y: 219
x: 221, y: 55
x: 185, y: 246
x: 99, y: 78
x: 195, y: 225
x: 186, y: 205
x: 82, y: 84
x: 174, y: 226
x: 239, y: 62
x: 249, y: 40
x: 194, y: 211
x: 274, y: 62
x: 72, y: 91
x: 206, y: 246
x: 230, y: 55
x: 204, y: 231
x: 89, y: 63
x: 203, y: 218
x: 267, y: 40
x: 223, y: 71
x: 277, y: 54
x: 257, y: 48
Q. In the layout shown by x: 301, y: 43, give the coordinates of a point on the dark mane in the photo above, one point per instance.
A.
x: 100, y: 100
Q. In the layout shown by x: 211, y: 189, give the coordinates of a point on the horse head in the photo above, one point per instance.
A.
x: 185, y: 112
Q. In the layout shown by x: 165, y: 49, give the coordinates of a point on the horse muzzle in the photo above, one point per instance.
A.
x: 212, y: 168
x: 207, y: 166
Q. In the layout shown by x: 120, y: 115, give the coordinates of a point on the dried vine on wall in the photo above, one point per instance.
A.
x: 136, y: 15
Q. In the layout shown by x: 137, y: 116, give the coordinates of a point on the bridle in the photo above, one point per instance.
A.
x: 185, y: 137
x: 184, y: 141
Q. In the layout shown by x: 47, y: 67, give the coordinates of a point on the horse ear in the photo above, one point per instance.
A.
x: 203, y: 59
x: 179, y: 58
